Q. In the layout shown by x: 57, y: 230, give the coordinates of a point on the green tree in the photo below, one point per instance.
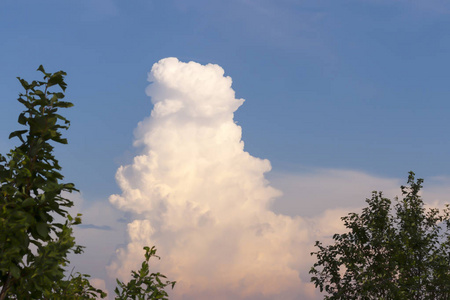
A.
x: 33, y: 244
x: 399, y: 251
x: 144, y: 285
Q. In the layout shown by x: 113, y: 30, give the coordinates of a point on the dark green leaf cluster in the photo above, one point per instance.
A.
x: 143, y: 285
x: 76, y: 287
x: 390, y: 252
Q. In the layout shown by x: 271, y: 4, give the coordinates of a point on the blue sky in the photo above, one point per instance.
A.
x: 345, y: 84
x: 357, y: 86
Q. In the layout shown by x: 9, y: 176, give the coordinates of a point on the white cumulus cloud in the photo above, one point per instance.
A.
x: 204, y: 201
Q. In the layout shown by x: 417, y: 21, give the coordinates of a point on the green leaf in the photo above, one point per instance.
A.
x: 40, y: 94
x: 28, y: 202
x: 42, y: 229
x: 64, y: 104
x: 41, y: 68
x: 18, y: 133
x: 24, y: 83
x: 15, y: 271
x: 22, y: 119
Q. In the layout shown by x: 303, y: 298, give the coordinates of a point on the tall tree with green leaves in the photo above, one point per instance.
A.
x: 36, y: 233
x: 33, y: 244
x: 399, y: 251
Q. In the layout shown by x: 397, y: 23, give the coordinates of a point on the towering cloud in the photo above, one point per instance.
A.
x: 202, y: 200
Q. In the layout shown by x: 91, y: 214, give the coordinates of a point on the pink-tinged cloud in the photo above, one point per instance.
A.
x: 202, y: 200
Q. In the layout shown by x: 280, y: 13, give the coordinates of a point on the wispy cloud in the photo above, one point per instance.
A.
x: 311, y: 192
x: 97, y: 227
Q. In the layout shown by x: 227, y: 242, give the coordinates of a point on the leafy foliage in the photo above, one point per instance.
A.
x: 76, y: 287
x: 405, y: 255
x: 33, y: 245
x: 143, y: 285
